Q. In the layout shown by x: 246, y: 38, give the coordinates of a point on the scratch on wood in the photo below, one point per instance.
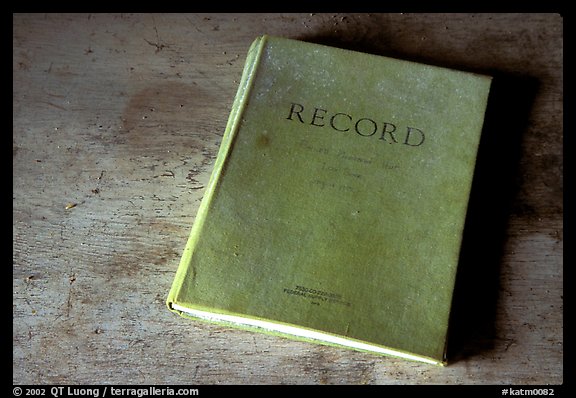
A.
x: 32, y: 310
x: 509, y: 343
x: 194, y: 26
x: 167, y: 173
x: 159, y: 46
x: 69, y: 303
x: 53, y: 105
x: 71, y: 279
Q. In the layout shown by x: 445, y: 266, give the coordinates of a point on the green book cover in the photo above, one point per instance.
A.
x: 335, y: 210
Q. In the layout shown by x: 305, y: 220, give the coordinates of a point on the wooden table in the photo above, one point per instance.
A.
x: 116, y: 123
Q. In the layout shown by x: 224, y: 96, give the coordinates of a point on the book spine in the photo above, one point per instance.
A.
x: 234, y: 120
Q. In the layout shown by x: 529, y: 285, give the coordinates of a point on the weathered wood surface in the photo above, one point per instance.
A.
x: 119, y: 117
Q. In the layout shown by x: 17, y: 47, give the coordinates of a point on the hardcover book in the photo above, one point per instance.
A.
x: 335, y: 210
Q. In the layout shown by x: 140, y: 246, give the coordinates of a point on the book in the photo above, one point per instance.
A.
x: 335, y: 210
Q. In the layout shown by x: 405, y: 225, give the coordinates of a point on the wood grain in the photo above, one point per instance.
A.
x: 117, y: 122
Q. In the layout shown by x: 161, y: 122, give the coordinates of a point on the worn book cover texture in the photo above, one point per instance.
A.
x: 336, y: 206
